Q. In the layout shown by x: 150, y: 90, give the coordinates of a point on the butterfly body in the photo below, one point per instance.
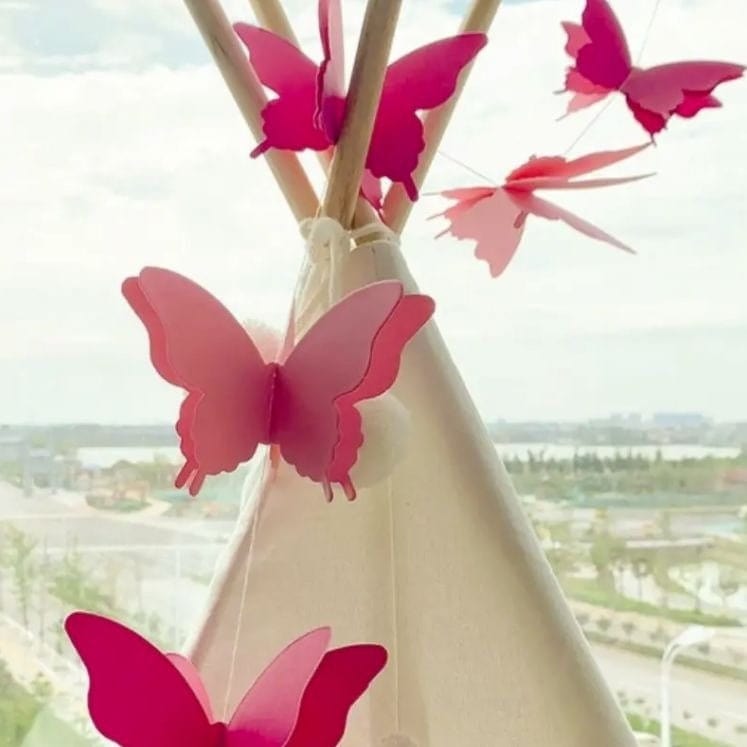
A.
x: 603, y: 65
x: 303, y: 404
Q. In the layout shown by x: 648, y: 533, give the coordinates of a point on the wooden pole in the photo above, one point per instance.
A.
x: 250, y: 98
x: 397, y: 206
x: 366, y: 81
x: 270, y: 15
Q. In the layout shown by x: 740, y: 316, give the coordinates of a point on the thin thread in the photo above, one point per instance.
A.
x: 647, y: 33
x: 587, y: 127
x: 395, y: 615
x: 642, y: 49
x: 444, y: 154
x: 244, y: 593
x: 590, y: 124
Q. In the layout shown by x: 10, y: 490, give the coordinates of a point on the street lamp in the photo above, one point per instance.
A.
x: 691, y: 636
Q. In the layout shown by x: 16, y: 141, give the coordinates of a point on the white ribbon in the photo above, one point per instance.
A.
x: 327, y: 246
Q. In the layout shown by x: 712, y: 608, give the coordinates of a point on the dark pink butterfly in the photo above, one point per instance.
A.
x: 140, y: 697
x: 603, y: 64
x: 495, y: 217
x: 310, y: 104
x: 304, y: 404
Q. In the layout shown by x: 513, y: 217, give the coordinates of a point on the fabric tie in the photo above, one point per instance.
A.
x: 327, y: 246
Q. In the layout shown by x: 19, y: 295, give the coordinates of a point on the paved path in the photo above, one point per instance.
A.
x: 63, y: 521
x: 701, y: 694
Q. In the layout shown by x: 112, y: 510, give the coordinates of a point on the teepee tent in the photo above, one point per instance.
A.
x: 436, y: 561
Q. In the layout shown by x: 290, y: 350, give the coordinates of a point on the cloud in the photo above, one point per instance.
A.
x: 128, y: 151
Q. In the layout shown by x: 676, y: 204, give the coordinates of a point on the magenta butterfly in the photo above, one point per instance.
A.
x: 310, y: 105
x: 602, y: 64
x: 141, y: 697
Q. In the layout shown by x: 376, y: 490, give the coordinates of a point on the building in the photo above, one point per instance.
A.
x: 680, y: 420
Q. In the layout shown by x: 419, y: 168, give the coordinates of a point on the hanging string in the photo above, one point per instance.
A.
x: 588, y: 126
x: 445, y: 155
x: 264, y: 473
x: 647, y: 33
x: 395, y: 611
x: 642, y: 49
x: 585, y: 131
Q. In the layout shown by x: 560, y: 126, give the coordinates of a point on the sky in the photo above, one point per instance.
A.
x: 120, y: 148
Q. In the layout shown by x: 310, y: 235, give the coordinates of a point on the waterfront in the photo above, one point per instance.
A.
x: 106, y: 456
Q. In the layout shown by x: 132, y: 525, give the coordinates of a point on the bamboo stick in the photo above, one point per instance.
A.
x: 250, y: 98
x: 397, y: 206
x: 366, y: 81
x: 270, y: 15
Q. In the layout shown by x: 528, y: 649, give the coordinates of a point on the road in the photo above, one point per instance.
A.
x: 61, y: 522
x: 163, y: 564
x: 62, y: 519
x: 703, y: 695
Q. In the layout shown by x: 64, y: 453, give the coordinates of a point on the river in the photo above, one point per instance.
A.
x: 106, y: 456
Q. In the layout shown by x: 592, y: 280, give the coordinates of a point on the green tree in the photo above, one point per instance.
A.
x: 628, y: 627
x: 604, y: 624
x: 71, y: 584
x: 605, y: 551
x: 641, y: 570
x: 19, y: 550
x: 664, y: 521
x: 728, y: 584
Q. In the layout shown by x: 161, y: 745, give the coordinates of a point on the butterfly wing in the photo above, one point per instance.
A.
x: 421, y: 80
x: 555, y: 172
x: 196, y: 344
x: 558, y: 167
x: 656, y: 94
x: 188, y: 670
x: 605, y: 60
x: 330, y: 82
x: 600, y: 54
x: 352, y: 353
x: 489, y: 217
x: 342, y: 677
x: 550, y: 211
x: 137, y: 697
x: 288, y: 122
x: 269, y: 711
x: 372, y: 192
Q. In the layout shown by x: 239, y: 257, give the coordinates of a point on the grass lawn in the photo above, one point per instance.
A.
x: 591, y: 592
x: 680, y: 737
x: 25, y: 721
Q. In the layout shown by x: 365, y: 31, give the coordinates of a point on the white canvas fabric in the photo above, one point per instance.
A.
x: 436, y: 562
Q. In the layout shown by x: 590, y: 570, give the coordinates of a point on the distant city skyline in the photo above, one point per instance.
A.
x: 662, y: 419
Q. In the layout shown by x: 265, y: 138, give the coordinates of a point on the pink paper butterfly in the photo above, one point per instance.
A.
x: 140, y: 697
x: 603, y: 65
x: 310, y: 107
x: 304, y: 404
x: 495, y: 216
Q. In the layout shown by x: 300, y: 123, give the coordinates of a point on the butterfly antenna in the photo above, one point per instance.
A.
x: 445, y: 155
